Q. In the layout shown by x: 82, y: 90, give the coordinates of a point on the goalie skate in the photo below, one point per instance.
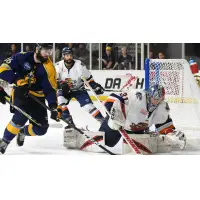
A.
x: 177, y: 138
x: 74, y: 140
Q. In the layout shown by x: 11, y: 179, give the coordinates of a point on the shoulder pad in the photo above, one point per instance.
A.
x: 77, y: 61
x: 59, y: 63
x: 82, y: 64
x: 23, y: 55
x: 25, y: 59
x: 167, y: 107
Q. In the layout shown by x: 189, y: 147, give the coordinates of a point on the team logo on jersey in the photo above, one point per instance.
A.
x: 139, y: 95
x: 27, y: 66
x: 70, y: 82
x: 87, y: 100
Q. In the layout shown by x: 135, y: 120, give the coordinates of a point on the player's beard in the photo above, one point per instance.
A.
x: 68, y: 62
x: 41, y: 58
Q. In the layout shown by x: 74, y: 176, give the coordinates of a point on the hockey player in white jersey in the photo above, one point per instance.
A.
x: 136, y: 111
x: 69, y: 75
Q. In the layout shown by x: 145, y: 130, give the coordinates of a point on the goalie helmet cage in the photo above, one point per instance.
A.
x: 182, y: 91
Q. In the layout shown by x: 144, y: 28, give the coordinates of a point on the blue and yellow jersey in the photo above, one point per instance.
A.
x: 43, y: 75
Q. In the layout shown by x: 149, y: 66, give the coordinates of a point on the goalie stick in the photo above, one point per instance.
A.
x: 129, y: 141
x: 80, y: 131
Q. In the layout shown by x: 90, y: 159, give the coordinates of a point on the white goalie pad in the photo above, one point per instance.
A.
x: 74, y: 140
x: 147, y: 144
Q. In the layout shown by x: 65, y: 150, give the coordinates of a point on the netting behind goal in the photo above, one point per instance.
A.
x: 182, y: 91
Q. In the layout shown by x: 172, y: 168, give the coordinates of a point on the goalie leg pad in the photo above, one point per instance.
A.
x: 74, y: 140
x: 164, y: 146
x: 150, y: 143
x: 70, y: 138
x: 145, y: 142
x: 177, y: 139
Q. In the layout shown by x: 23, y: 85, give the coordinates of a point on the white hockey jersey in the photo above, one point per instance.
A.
x: 134, y: 112
x: 73, y: 75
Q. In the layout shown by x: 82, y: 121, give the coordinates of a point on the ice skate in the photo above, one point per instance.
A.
x: 3, y: 146
x: 20, y: 138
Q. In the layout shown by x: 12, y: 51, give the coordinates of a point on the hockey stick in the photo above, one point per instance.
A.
x: 29, y: 117
x: 129, y: 141
x: 22, y: 112
x: 80, y: 131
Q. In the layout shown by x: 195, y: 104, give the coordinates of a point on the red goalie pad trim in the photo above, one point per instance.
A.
x: 88, y: 143
x: 140, y: 146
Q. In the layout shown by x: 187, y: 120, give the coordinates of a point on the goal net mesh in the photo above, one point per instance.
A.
x: 182, y: 91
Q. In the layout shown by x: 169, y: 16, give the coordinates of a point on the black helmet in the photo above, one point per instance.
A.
x: 67, y: 50
x: 45, y: 45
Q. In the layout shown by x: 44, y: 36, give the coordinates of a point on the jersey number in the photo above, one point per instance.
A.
x: 7, y: 61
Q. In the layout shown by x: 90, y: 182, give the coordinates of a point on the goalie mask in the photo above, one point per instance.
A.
x: 155, y: 94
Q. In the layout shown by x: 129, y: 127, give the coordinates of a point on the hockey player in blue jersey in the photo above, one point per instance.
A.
x: 33, y: 73
x: 69, y: 76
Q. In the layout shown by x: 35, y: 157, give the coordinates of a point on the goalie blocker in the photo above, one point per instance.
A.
x: 147, y: 143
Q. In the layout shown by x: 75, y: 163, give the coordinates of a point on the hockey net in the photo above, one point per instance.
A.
x: 182, y: 91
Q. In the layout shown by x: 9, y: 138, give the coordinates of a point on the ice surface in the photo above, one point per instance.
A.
x: 52, y: 142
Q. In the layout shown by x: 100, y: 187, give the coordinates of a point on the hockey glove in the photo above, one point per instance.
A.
x: 98, y: 89
x: 65, y: 89
x: 3, y: 94
x: 56, y: 112
x: 21, y: 90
